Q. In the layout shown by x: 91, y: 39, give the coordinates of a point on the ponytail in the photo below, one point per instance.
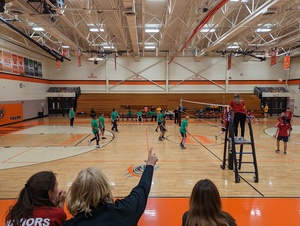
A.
x: 284, y: 119
x: 33, y: 194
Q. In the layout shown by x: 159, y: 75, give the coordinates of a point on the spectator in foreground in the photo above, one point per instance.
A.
x: 40, y: 202
x: 206, y: 207
x: 91, y: 203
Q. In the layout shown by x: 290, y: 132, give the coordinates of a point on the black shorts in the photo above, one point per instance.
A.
x: 183, y: 135
x: 162, y: 129
x: 102, y: 129
x: 284, y: 139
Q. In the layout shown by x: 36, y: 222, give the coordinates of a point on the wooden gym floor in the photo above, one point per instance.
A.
x: 51, y: 144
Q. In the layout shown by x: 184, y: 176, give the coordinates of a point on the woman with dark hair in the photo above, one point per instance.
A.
x: 40, y: 202
x: 206, y: 207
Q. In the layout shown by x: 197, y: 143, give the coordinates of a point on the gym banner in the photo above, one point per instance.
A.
x: 7, y: 61
x: 13, y: 63
x: 287, y: 62
x: 15, y: 68
x: 273, y: 57
x: 1, y: 61
x: 21, y: 65
x: 10, y: 113
x: 26, y: 66
x: 229, y: 62
x: 79, y: 58
x: 57, y: 64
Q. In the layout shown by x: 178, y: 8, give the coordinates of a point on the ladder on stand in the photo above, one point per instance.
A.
x: 230, y: 144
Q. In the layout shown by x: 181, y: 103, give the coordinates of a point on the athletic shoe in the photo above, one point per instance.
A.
x: 160, y: 139
x: 98, y: 146
x: 182, y: 147
x: 277, y: 151
x: 216, y: 137
x: 103, y: 137
x: 89, y: 142
x: 284, y: 153
x: 163, y: 137
x: 156, y: 130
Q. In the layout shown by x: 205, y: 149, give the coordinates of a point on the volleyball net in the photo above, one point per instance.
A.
x: 208, y: 112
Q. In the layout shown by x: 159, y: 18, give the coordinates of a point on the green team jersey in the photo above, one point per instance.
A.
x: 160, y: 117
x: 71, y: 114
x: 139, y: 113
x: 95, y: 126
x: 114, y: 116
x: 101, y: 121
x: 183, y: 125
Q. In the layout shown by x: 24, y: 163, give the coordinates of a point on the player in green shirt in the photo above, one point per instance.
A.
x: 114, y: 116
x: 71, y: 116
x: 183, y: 130
x: 159, y: 120
x: 101, y: 125
x: 139, y: 115
x: 95, y: 130
x: 129, y: 114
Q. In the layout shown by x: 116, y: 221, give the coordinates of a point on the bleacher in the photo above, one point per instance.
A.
x: 106, y: 102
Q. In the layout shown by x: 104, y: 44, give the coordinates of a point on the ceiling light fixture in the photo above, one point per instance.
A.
x: 205, y: 30
x: 151, y: 30
x: 108, y: 47
x: 96, y: 30
x: 233, y: 47
x: 95, y: 59
x: 263, y: 30
x: 149, y: 47
x: 38, y: 29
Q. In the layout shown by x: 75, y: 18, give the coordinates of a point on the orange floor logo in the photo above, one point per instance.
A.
x: 137, y: 170
x: 193, y: 139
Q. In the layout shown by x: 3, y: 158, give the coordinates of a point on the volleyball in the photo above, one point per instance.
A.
x: 280, y: 80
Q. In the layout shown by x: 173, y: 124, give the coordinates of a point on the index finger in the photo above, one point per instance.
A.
x: 150, y: 151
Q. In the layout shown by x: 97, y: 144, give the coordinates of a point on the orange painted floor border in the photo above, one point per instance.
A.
x: 246, y: 211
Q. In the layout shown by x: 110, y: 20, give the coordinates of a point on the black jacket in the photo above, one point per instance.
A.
x: 124, y: 212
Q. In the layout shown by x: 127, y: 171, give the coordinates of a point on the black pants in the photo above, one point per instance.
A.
x: 71, y: 121
x: 239, y: 118
x: 176, y: 121
x: 97, y: 138
x: 115, y: 126
x: 289, y: 121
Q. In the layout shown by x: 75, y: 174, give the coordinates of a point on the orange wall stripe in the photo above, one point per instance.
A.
x: 143, y: 82
x: 246, y: 211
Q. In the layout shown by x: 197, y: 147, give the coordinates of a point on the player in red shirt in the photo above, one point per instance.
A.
x: 238, y: 107
x: 289, y: 116
x: 224, y: 120
x: 282, y: 133
x: 279, y: 119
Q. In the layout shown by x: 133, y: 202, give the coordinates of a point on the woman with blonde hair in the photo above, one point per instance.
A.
x: 206, y: 207
x: 91, y: 202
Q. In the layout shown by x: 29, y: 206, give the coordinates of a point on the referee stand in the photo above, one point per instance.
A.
x: 235, y: 159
